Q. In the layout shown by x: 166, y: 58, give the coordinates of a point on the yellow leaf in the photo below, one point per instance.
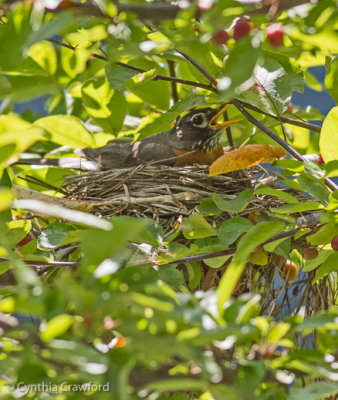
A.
x: 245, y: 157
x: 328, y: 139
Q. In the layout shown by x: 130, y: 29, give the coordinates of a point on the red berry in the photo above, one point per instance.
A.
x: 275, y: 34
x: 310, y: 253
x: 241, y: 29
x: 289, y: 109
x: 289, y: 271
x: 334, y: 243
x: 220, y: 37
x: 320, y: 160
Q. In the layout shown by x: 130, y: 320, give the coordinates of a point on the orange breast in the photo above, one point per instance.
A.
x: 185, y: 157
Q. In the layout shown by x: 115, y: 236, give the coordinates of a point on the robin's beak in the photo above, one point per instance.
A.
x: 216, y: 126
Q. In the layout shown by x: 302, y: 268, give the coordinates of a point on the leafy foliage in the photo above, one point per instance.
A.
x: 95, y: 300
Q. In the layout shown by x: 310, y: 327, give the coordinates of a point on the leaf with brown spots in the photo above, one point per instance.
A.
x: 245, y: 157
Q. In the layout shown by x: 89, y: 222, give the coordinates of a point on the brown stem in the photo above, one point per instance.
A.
x: 330, y: 184
x: 199, y: 68
x: 172, y: 73
x: 228, y: 130
x: 141, y: 70
x: 286, y: 120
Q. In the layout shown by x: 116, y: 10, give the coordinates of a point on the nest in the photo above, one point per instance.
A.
x: 165, y: 194
x: 168, y: 195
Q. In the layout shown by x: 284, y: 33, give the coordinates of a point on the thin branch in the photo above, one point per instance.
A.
x: 286, y: 120
x: 46, y: 263
x: 172, y: 73
x: 199, y: 67
x: 141, y: 70
x: 279, y: 140
x: 228, y: 130
x: 232, y: 251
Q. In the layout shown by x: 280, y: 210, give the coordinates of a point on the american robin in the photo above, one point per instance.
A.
x: 194, y: 139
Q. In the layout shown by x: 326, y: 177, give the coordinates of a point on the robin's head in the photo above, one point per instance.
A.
x: 199, y: 129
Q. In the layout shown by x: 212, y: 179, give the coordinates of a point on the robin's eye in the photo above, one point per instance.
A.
x: 199, y: 120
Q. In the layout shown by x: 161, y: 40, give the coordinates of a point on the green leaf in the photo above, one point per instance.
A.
x: 54, y: 235
x: 315, y: 188
x: 6, y: 151
x: 328, y: 139
x: 50, y: 28
x: 324, y: 235
x: 44, y: 54
x: 208, y: 207
x: 328, y: 266
x: 314, y: 169
x: 314, y: 391
x: 106, y: 105
x: 24, y: 88
x: 66, y: 130
x: 74, y: 62
x: 287, y: 197
x: 320, y: 320
x: 239, y: 67
x: 216, y: 262
x: 55, y: 327
x: 117, y: 75
x: 297, y: 208
x: 278, y: 331
x: 274, y: 91
x: 13, y: 37
x: 195, y: 274
x: 6, y: 197
x: 292, y: 165
x: 252, y: 239
x: 118, y: 105
x: 236, y: 205
x: 97, y: 245
x: 117, y: 78
x: 156, y: 93
x: 14, y: 129
x: 292, y: 67
x: 312, y: 82
x: 18, y: 230
x: 195, y: 227
x: 230, y: 230
x: 331, y: 79
x: 5, y: 85
x: 331, y: 168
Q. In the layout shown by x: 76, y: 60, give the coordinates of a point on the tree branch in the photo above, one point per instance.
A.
x: 174, y: 93
x: 199, y: 67
x: 228, y: 130
x: 229, y: 252
x: 141, y: 70
x: 286, y: 120
x: 46, y: 263
x: 279, y: 140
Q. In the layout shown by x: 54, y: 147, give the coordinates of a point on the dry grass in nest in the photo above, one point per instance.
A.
x: 164, y: 193
x: 168, y: 195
